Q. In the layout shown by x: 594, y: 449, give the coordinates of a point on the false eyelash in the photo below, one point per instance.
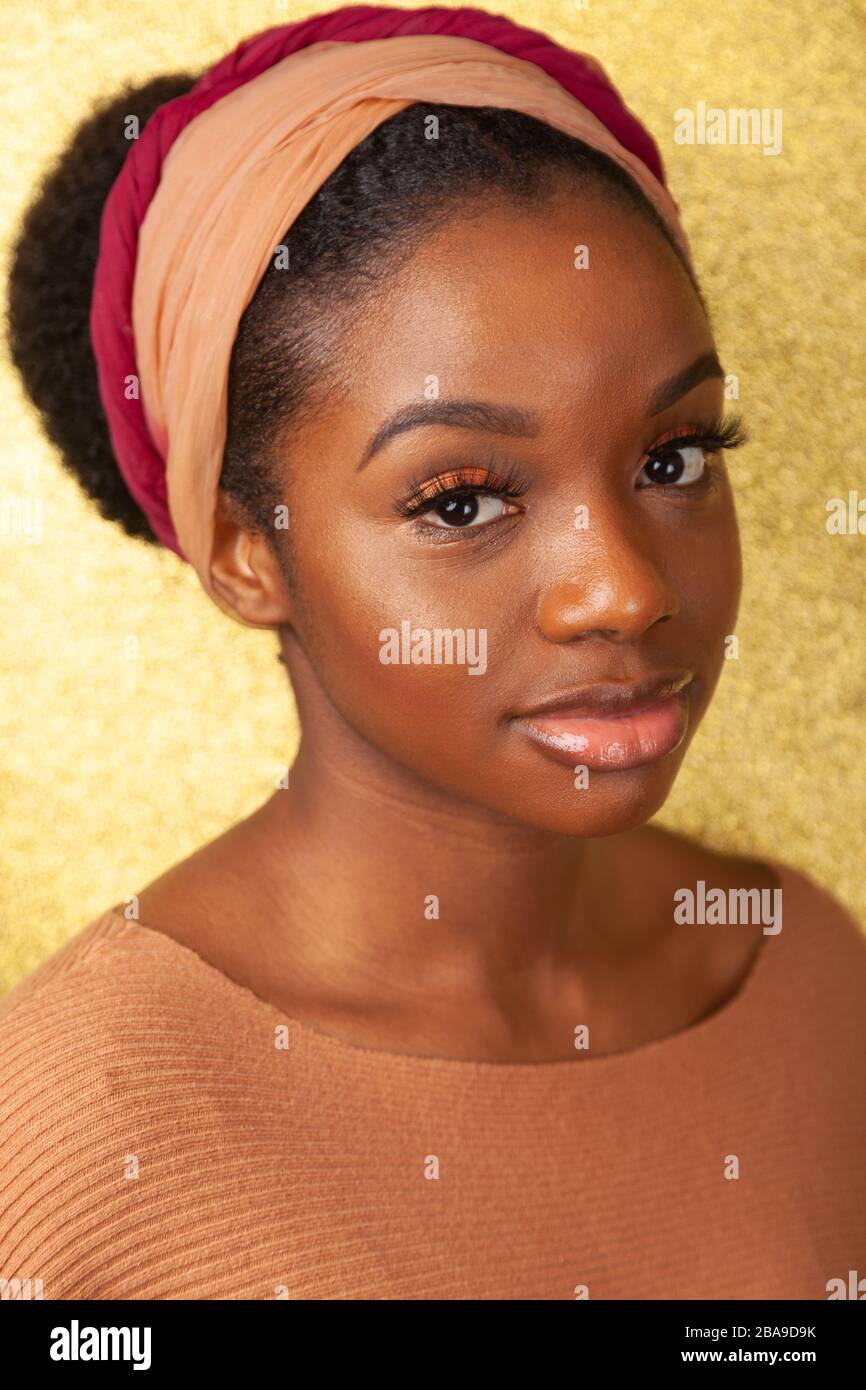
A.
x: 722, y: 433
x: 496, y: 478
x: 501, y: 478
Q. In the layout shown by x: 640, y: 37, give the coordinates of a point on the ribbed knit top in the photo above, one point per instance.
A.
x: 157, y: 1141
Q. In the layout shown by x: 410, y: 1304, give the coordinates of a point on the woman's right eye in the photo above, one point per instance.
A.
x: 466, y: 499
x: 466, y: 510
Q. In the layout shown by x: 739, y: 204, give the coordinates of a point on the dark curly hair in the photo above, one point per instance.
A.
x: 367, y: 218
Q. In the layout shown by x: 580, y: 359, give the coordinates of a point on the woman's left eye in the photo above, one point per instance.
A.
x: 468, y: 510
x: 676, y: 467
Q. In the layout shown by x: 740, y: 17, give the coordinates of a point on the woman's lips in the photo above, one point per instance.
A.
x: 612, y: 742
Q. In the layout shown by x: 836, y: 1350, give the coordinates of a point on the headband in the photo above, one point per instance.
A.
x: 217, y: 176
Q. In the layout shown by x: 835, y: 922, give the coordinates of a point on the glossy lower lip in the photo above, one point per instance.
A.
x: 612, y: 743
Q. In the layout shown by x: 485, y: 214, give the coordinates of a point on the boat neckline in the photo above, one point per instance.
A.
x: 760, y: 969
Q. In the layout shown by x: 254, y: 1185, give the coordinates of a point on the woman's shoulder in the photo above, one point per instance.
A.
x: 106, y: 1050
x: 821, y: 946
x: 813, y: 897
x: 703, y: 870
x: 109, y: 1004
x: 83, y: 953
x: 92, y: 981
x: 826, y: 947
x: 808, y: 936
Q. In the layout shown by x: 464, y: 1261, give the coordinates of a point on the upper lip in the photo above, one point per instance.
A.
x: 612, y: 697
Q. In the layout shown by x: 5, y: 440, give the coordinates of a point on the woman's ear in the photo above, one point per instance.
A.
x: 246, y: 573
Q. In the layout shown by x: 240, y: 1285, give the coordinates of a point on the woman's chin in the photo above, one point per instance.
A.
x: 610, y: 804
x: 599, y: 817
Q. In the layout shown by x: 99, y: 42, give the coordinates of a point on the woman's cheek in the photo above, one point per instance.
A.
x: 382, y: 627
x: 729, y: 569
x: 710, y: 582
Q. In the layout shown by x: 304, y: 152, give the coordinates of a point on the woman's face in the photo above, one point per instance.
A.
x: 580, y: 566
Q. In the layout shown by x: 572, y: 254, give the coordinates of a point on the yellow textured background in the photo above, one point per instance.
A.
x: 114, y: 768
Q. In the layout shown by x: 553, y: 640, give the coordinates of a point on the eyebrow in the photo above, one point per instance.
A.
x: 512, y: 420
x: 667, y: 393
x: 467, y: 415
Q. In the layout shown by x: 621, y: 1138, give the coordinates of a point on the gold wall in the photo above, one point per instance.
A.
x: 115, y: 766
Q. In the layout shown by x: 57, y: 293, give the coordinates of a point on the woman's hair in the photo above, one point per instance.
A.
x: 369, y: 216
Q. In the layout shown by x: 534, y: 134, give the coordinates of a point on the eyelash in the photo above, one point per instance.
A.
x: 505, y: 479
x: 496, y: 478
x: 719, y: 435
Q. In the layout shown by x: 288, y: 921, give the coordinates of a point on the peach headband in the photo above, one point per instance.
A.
x: 237, y: 177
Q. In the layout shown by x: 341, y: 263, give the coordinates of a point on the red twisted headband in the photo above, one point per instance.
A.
x: 138, y: 456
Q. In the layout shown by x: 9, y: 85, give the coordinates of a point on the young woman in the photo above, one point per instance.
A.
x: 392, y: 331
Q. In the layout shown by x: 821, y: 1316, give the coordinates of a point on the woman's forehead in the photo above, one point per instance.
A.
x: 514, y: 292
x: 494, y: 309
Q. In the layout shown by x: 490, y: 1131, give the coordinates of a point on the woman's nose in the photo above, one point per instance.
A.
x: 613, y: 588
